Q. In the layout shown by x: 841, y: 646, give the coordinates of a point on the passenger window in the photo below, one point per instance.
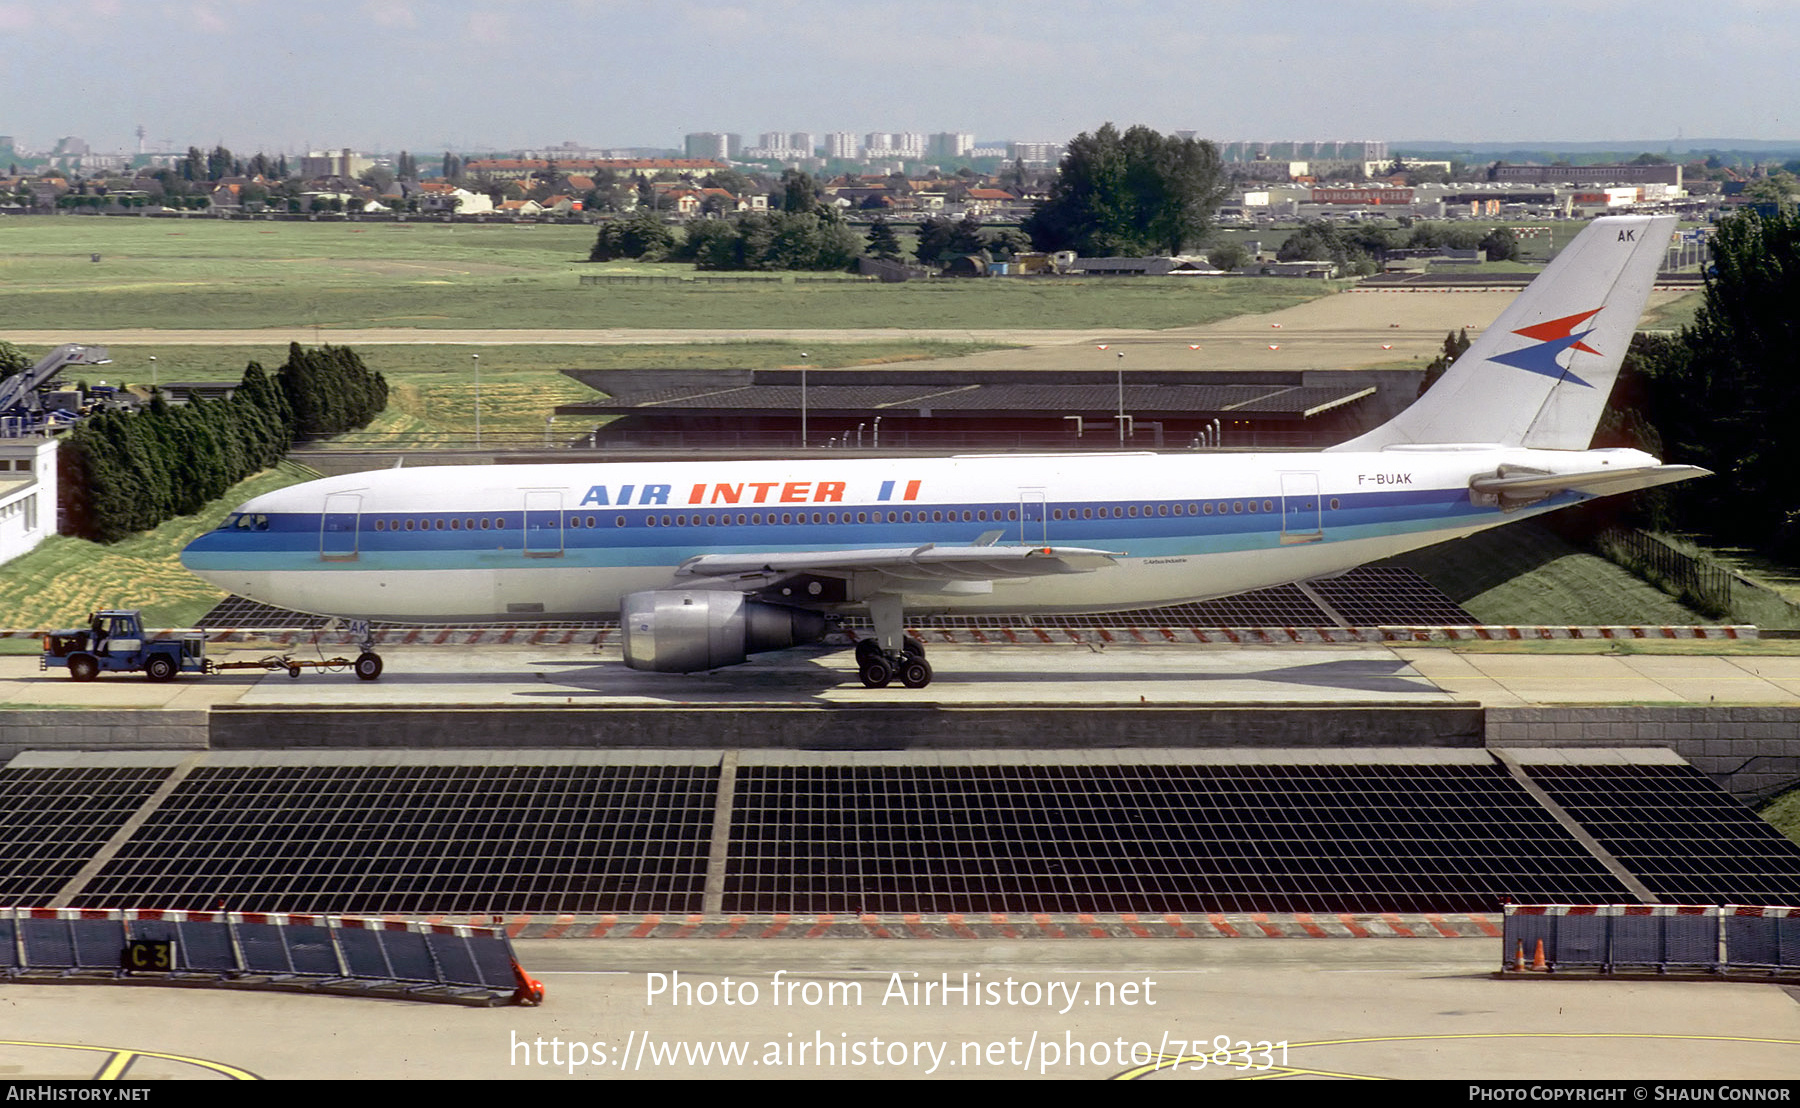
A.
x: 618, y: 521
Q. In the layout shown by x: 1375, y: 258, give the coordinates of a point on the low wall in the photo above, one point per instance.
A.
x: 101, y: 729
x: 1014, y: 727
x: 1752, y: 752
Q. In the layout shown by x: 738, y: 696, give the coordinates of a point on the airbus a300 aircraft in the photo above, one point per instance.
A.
x: 707, y: 562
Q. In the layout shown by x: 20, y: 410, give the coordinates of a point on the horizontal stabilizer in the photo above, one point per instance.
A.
x: 917, y: 563
x: 1515, y: 486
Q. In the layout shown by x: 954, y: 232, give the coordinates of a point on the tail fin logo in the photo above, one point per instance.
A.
x: 1553, y: 337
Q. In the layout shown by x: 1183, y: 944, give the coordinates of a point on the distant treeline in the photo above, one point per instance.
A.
x: 124, y: 472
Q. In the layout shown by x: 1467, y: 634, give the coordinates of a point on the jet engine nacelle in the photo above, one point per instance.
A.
x: 672, y: 631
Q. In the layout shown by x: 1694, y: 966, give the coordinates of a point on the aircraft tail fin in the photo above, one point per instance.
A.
x: 1541, y: 374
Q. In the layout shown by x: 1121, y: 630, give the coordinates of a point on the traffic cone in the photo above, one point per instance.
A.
x: 1519, y: 958
x: 1537, y: 959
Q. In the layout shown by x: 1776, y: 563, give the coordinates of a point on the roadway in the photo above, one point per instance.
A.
x: 1346, y: 331
x: 1368, y: 1008
x: 1071, y: 675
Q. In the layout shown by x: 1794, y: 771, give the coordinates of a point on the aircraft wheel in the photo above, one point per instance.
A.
x: 160, y: 667
x: 866, y: 649
x: 368, y: 665
x: 916, y: 673
x: 83, y: 668
x: 876, y: 673
x: 912, y: 648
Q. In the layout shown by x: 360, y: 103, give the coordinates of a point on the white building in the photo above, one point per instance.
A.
x: 345, y: 163
x: 27, y: 494
x: 951, y: 144
x: 720, y: 146
x: 1035, y: 153
x: 841, y: 144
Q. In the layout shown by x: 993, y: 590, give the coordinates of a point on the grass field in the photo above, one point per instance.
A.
x: 63, y: 580
x: 1784, y: 813
x: 313, y: 277
x: 1525, y: 573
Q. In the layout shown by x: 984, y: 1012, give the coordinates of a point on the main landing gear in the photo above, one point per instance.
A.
x: 877, y: 669
x: 891, y: 653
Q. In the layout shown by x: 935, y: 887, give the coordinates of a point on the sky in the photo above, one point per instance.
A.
x: 477, y: 75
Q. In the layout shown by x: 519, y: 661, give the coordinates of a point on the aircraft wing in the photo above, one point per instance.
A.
x: 1512, y: 484
x: 912, y: 563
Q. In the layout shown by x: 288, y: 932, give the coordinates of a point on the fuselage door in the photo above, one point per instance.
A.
x: 1301, y: 519
x: 337, y: 527
x: 543, y: 525
x: 1034, y: 521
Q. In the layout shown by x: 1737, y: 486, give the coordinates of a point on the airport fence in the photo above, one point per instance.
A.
x: 1655, y: 938
x: 1710, y: 588
x: 285, y: 951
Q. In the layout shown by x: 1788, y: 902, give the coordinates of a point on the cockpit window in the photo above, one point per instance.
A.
x: 245, y: 521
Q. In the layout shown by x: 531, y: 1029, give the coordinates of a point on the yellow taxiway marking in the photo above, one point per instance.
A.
x: 120, y: 1058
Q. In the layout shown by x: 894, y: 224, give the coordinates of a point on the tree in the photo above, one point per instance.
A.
x: 1501, y: 245
x: 12, y: 360
x: 1229, y: 256
x: 406, y: 167
x: 1130, y: 194
x: 641, y: 236
x: 799, y: 192
x: 883, y: 242
x: 933, y: 242
x: 378, y: 177
x: 1456, y: 343
x: 1727, y: 395
x: 219, y: 164
x: 967, y: 237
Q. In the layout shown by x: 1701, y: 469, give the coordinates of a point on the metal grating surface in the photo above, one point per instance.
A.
x: 1148, y: 838
x: 422, y: 839
x: 237, y: 611
x: 1381, y: 596
x: 1366, y: 597
x: 1685, y: 838
x: 53, y: 820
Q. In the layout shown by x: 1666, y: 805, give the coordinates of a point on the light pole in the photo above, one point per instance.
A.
x: 477, y: 358
x: 153, y: 374
x: 1121, y: 365
x: 803, y: 400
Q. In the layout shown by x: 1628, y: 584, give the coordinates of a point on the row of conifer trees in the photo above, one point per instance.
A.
x: 124, y: 471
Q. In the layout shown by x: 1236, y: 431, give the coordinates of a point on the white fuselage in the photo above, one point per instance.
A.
x: 461, y: 544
